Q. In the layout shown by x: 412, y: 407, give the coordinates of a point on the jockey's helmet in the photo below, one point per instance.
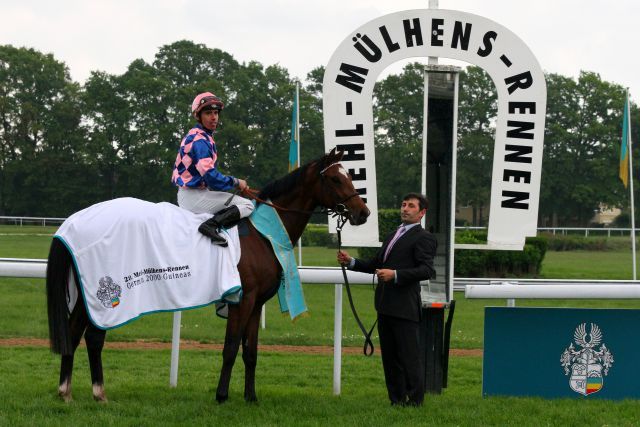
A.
x: 203, y: 100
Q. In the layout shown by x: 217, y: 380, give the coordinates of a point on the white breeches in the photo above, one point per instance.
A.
x: 205, y: 201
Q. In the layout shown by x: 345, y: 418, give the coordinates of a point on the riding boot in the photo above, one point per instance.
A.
x: 226, y: 218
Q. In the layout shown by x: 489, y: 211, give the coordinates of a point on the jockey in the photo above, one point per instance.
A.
x: 201, y: 187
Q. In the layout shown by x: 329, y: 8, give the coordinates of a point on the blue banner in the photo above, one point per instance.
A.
x: 561, y: 352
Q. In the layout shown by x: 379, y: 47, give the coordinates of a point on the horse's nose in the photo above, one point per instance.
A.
x: 364, y: 214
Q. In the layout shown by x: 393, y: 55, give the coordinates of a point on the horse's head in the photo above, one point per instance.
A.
x: 336, y: 190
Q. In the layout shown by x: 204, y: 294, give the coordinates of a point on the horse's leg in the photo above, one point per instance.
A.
x: 77, y: 324
x: 94, y: 337
x: 236, y: 323
x: 250, y: 354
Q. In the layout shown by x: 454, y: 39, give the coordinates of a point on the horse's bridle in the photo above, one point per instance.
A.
x: 340, y: 209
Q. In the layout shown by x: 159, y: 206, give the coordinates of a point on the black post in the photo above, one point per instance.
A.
x: 447, y: 340
x: 434, y: 346
x: 432, y: 329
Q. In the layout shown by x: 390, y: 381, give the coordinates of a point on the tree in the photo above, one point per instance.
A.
x: 40, y: 116
x: 477, y: 109
x: 582, y: 142
x: 398, y: 118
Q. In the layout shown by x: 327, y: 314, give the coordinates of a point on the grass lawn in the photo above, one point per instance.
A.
x: 293, y: 389
x: 602, y: 265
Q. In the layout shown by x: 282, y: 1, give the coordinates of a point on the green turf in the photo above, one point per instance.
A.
x: 603, y: 265
x: 24, y: 244
x: 293, y: 389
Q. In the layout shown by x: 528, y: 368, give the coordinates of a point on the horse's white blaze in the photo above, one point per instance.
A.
x: 343, y: 171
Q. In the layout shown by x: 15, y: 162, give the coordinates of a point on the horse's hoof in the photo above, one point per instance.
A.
x: 251, y: 399
x: 222, y: 398
x: 98, y: 394
x: 66, y: 397
x: 64, y: 391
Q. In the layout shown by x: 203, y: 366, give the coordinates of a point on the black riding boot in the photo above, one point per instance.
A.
x: 226, y: 218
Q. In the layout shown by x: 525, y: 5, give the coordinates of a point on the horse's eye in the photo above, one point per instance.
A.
x: 335, y: 180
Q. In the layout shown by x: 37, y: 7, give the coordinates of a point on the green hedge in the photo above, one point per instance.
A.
x: 318, y: 235
x: 485, y: 263
x: 572, y: 242
x: 388, y: 221
x: 468, y: 263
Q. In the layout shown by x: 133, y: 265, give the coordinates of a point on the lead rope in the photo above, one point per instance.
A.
x: 368, y: 344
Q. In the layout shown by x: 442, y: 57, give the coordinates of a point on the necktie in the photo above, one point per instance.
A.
x: 396, y: 236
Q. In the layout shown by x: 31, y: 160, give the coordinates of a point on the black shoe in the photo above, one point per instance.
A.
x: 210, y: 228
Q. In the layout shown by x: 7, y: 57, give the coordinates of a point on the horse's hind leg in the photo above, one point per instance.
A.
x: 77, y: 324
x: 229, y: 353
x: 236, y: 323
x: 250, y: 354
x: 94, y: 337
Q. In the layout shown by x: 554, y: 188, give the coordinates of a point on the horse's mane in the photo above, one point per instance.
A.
x: 288, y: 182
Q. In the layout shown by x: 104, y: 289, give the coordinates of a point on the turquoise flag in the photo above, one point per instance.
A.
x: 293, y: 147
x: 624, y: 145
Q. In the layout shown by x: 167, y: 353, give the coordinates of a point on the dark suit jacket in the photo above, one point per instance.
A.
x: 412, y: 259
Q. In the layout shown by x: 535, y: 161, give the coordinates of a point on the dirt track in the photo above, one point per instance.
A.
x: 194, y: 345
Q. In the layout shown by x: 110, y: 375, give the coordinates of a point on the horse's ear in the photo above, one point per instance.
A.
x: 334, y: 156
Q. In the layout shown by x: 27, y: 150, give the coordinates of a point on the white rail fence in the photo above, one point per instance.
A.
x: 30, y: 220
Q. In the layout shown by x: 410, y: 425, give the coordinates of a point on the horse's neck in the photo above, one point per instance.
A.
x: 297, y: 219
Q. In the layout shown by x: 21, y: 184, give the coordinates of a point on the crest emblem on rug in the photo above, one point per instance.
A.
x: 588, y: 365
x: 109, y: 292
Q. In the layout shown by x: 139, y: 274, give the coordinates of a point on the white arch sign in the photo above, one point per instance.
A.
x: 348, y: 85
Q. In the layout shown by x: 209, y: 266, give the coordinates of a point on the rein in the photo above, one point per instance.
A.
x: 339, y: 210
x: 253, y: 194
x: 368, y: 344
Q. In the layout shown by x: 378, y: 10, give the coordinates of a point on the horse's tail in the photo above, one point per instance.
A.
x: 58, y: 265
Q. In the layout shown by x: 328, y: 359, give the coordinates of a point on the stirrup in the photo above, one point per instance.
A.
x: 211, y: 231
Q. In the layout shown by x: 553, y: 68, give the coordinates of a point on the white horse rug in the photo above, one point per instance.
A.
x: 135, y: 257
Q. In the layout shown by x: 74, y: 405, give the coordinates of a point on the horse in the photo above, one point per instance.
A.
x: 320, y: 183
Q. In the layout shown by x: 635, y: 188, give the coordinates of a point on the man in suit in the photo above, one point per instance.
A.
x: 405, y: 258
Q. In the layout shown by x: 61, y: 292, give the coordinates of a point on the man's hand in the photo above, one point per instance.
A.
x: 386, y: 275
x: 242, y: 184
x: 343, y: 258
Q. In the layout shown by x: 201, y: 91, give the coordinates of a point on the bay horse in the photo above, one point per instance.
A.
x: 322, y: 182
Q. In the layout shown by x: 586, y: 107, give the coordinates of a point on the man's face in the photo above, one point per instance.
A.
x: 209, y: 119
x: 410, y: 212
